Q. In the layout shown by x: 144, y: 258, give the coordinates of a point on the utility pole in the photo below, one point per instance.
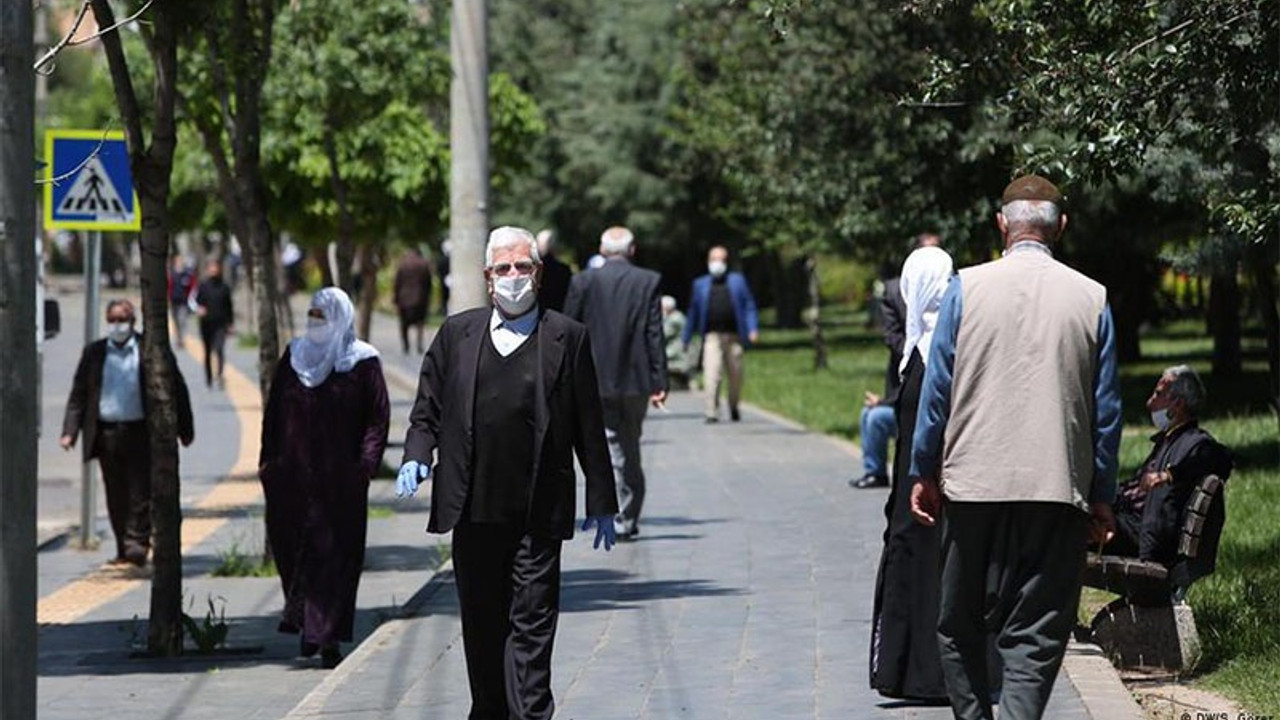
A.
x: 18, y: 451
x: 469, y: 152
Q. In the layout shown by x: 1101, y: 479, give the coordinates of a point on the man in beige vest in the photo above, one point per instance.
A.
x: 1015, y: 451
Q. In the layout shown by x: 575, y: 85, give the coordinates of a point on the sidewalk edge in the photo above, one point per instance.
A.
x: 384, y: 635
x: 1098, y: 684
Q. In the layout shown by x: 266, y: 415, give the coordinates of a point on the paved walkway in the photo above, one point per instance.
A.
x: 747, y: 595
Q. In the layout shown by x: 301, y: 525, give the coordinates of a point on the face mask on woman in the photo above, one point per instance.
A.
x: 317, y: 330
x: 717, y: 268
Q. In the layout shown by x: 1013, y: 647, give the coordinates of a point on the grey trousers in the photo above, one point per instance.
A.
x: 1012, y: 570
x: 623, y: 419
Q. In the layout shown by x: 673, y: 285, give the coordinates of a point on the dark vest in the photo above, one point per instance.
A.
x: 506, y: 397
x: 720, y: 315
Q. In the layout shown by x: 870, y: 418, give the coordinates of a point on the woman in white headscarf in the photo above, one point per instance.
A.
x: 323, y: 434
x: 904, y: 645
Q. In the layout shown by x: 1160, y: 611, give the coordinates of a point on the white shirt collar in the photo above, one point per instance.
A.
x: 522, y: 325
x: 1028, y: 246
x: 509, y: 334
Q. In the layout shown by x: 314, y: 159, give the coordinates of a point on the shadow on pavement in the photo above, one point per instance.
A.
x: 113, y: 647
x: 594, y: 590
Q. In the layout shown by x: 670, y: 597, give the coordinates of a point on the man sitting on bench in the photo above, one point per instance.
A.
x: 1148, y: 509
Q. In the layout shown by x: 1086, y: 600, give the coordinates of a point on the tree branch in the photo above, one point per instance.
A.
x: 122, y: 83
x: 68, y: 41
x: 72, y: 172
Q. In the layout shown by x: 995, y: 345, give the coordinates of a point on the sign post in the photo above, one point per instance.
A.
x: 89, y: 187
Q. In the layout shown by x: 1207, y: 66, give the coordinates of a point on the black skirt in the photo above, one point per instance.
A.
x: 904, y: 633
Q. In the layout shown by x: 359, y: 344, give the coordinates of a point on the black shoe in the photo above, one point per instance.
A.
x: 330, y: 657
x: 734, y: 415
x: 869, y: 481
x: 307, y: 649
x: 711, y: 419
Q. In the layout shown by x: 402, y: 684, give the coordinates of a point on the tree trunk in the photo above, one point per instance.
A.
x: 814, y: 314
x: 152, y: 168
x: 1224, y: 321
x: 789, y: 289
x: 346, y: 224
x: 370, y: 261
x: 1264, y: 261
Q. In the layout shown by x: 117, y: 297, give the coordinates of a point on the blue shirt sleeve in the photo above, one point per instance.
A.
x: 935, y: 392
x: 1108, y: 422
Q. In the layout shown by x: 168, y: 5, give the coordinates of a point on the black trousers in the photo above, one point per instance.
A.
x: 508, y: 584
x: 1012, y: 570
x: 124, y: 454
x: 214, y: 337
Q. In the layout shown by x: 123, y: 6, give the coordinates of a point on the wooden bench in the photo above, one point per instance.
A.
x: 1150, y: 624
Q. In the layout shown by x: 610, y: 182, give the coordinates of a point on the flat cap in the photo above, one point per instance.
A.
x: 1031, y: 187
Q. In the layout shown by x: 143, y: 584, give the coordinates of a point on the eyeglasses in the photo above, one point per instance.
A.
x: 523, y: 267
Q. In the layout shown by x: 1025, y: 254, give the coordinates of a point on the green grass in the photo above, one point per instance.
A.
x: 1237, y: 609
x: 780, y: 375
x: 235, y: 562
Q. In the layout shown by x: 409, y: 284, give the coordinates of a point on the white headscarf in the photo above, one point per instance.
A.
x: 328, y: 344
x: 924, y: 279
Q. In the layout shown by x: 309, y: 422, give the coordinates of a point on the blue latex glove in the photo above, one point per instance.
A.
x: 604, y: 531
x: 410, y: 473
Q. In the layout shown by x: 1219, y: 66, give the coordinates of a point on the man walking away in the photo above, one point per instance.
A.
x: 1018, y: 430
x: 412, y: 293
x: 108, y: 404
x: 556, y: 276
x: 217, y: 315
x: 621, y: 307
x: 182, y: 282
x: 723, y: 311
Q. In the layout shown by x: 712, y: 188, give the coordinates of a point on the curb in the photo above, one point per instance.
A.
x: 1098, y: 683
x: 383, y: 636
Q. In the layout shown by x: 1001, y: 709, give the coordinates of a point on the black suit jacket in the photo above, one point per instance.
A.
x: 86, y: 391
x: 893, y: 318
x: 554, y: 285
x: 621, y: 306
x: 568, y: 418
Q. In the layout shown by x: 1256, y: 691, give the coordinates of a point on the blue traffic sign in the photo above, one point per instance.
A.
x: 89, y: 185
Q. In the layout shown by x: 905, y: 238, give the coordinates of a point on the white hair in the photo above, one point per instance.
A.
x: 1184, y: 383
x: 546, y: 241
x: 668, y: 303
x: 616, y: 240
x: 1040, y: 214
x: 509, y: 236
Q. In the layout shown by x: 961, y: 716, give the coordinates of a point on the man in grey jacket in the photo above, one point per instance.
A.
x: 1017, y: 432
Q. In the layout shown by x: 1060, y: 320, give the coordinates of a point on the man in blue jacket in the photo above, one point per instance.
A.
x: 723, y: 312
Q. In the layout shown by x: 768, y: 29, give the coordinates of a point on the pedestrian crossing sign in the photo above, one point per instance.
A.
x: 89, y: 185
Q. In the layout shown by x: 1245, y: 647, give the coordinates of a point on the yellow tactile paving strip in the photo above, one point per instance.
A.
x: 239, y: 489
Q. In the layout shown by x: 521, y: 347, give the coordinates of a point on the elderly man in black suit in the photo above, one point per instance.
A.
x: 553, y: 283
x: 108, y: 404
x: 506, y: 397
x: 622, y: 308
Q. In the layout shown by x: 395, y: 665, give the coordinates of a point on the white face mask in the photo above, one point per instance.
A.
x: 317, y: 330
x: 514, y: 294
x: 120, y: 332
x: 1160, y: 418
x: 717, y: 268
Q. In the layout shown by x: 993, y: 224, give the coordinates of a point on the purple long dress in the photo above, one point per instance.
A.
x: 320, y: 447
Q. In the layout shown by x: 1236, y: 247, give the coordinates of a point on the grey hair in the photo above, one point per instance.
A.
x: 1035, y: 213
x: 509, y: 236
x: 668, y: 303
x: 1185, y: 384
x: 617, y: 240
x: 546, y: 241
